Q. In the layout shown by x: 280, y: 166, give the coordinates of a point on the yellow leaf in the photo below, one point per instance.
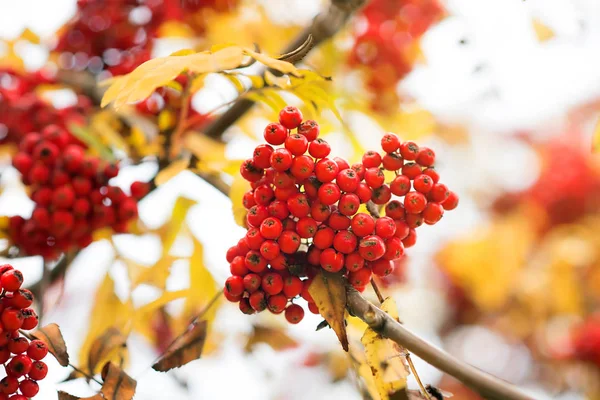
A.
x: 204, y: 148
x: 166, y: 120
x: 141, y: 82
x: 108, y: 311
x: 235, y: 81
x: 106, y: 126
x: 51, y: 335
x: 385, y: 358
x: 596, y: 138
x: 156, y: 275
x: 172, y: 228
x: 186, y: 347
x: 329, y: 293
x: 274, y: 337
x: 104, y: 348
x: 239, y: 187
x: 279, y: 81
x: 102, y: 234
x: 279, y: 65
x: 258, y: 82
x: 171, y: 171
x: 87, y: 136
x: 175, y: 29
x: 203, y: 287
x: 163, y: 300
x: 542, y: 31
x: 415, y: 122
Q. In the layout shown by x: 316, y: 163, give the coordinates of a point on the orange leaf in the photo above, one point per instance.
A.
x: 50, y: 334
x: 117, y: 384
x: 276, y: 338
x: 103, y: 346
x: 187, y: 347
x: 329, y: 293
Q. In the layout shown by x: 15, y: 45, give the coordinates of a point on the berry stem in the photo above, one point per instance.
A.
x: 88, y: 376
x: 372, y: 208
x: 487, y: 385
x: 377, y: 291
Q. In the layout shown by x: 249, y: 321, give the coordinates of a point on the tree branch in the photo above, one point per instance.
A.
x: 323, y: 27
x: 487, y: 385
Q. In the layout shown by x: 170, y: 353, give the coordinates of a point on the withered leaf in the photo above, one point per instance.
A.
x: 112, y: 339
x: 187, y: 347
x: 51, y: 335
x: 276, y: 338
x: 298, y: 54
x: 117, y: 384
x: 329, y: 293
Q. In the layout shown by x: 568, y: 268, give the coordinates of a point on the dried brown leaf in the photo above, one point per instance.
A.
x: 187, y: 347
x: 51, y: 335
x: 329, y: 293
x: 298, y: 54
x: 276, y: 338
x: 117, y: 384
x: 105, y: 344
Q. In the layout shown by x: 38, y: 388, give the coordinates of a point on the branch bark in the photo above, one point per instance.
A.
x: 323, y: 27
x: 487, y: 385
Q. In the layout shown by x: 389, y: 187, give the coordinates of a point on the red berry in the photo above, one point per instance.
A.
x: 39, y: 174
x: 256, y: 215
x: 439, y: 193
x: 302, y: 167
x: 283, y: 179
x: 252, y: 282
x: 9, y: 385
x: 411, y: 170
x: 310, y: 129
x: 381, y: 195
x: 360, y: 277
x: 331, y: 260
x: 371, y: 159
x: 306, y: 227
x: 281, y: 159
x: 289, y: 242
x: 20, y: 365
x: 19, y: 345
x: 319, y: 148
x: 426, y: 157
x: 29, y: 388
x: 299, y: 205
x: 394, y: 209
x: 23, y: 163
x: 326, y: 170
x: 11, y: 280
x: 374, y: 177
x: 362, y: 224
x: 341, y: 163
x: 344, y: 242
x: 324, y: 237
x: 38, y: 371
x: 363, y: 191
x: 234, y: 285
x: 390, y: 143
x: 329, y: 193
x: 354, y: 262
x: 111, y: 171
x: 63, y: 197
x: 250, y: 171
x: 385, y: 227
x: 410, y: 239
x: 414, y: 202
x: 414, y: 220
x: 245, y: 307
x: 258, y: 301
x: 277, y: 303
x: 349, y: 204
x: 319, y: 211
x: 347, y: 180
x: 271, y: 228
x: 138, y: 189
x: 38, y: 349
x: 296, y: 144
x: 46, y: 151
x: 402, y: 229
x: 371, y: 248
x: 255, y: 262
x: 272, y: 283
x: 432, y: 173
x: 290, y: 117
x: 275, y: 134
x: 238, y: 266
x: 409, y: 150
x: 392, y: 162
x: 338, y: 221
x: 262, y: 156
x: 451, y: 201
x: 294, y: 313
x: 269, y: 250
x: 432, y: 213
x: 30, y: 319
x: 394, y: 248
x: 423, y: 183
x: 382, y: 267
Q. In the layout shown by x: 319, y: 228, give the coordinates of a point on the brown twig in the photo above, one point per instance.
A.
x: 323, y: 27
x: 372, y: 209
x: 88, y: 376
x: 377, y: 291
x: 487, y: 385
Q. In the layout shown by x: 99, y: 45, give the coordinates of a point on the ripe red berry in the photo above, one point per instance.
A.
x: 402, y: 229
x: 329, y: 193
x: 363, y: 191
x: 9, y: 385
x: 319, y: 211
x: 360, y: 277
x: 63, y: 197
x: 275, y: 134
x: 326, y: 170
x: 410, y: 239
x: 289, y: 242
x: 423, y: 183
x: 349, y: 204
x: 319, y: 148
x: 451, y: 201
x: 269, y: 250
x: 414, y: 202
x: 411, y: 170
x: 331, y: 260
x: 390, y: 143
x: 20, y: 365
x: 277, y: 303
x: 255, y: 262
x: 296, y: 144
x: 345, y: 242
x: 250, y: 171
x: 394, y: 248
x: 290, y: 117
x: 233, y: 284
x: 371, y: 248
x: 432, y: 213
x: 272, y: 283
x: 23, y: 163
x: 38, y: 371
x: 138, y: 189
x: 347, y: 180
x: 354, y: 261
x: 281, y: 159
x: 238, y: 266
x: 310, y: 129
x: 292, y: 286
x: 338, y: 221
x: 362, y: 224
x: 271, y: 228
x: 371, y: 159
x: 258, y: 301
x: 382, y: 267
x: 374, y: 177
x: 306, y: 227
x: 38, y: 349
x: 294, y: 313
x: 392, y: 162
x: 11, y: 280
x: 30, y: 319
x: 426, y: 157
x: 385, y: 227
x: 409, y: 150
x: 414, y: 220
x: 29, y: 388
x: 252, y: 282
x: 262, y: 156
x: 256, y: 215
x: 324, y: 237
x: 439, y: 193
x: 381, y: 195
x: 302, y: 167
x: 299, y: 205
x: 395, y: 210
x: 432, y: 173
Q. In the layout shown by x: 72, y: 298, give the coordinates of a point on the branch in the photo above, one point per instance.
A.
x: 487, y: 385
x: 323, y: 27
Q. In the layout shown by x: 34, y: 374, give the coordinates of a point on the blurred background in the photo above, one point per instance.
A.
x: 507, y: 92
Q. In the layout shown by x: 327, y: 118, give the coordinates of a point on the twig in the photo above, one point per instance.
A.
x: 372, y: 208
x: 323, y: 27
x: 88, y: 376
x: 487, y: 385
x: 377, y: 291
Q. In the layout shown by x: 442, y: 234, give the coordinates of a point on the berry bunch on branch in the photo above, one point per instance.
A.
x: 307, y: 211
x: 20, y: 353
x: 72, y: 195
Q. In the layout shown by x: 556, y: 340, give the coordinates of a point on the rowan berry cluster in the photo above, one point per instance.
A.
x: 22, y: 110
x: 22, y: 358
x: 304, y: 213
x: 71, y: 193
x: 387, y: 41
